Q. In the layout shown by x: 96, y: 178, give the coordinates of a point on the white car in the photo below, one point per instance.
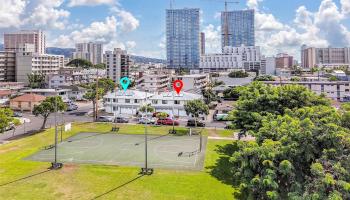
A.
x: 143, y: 120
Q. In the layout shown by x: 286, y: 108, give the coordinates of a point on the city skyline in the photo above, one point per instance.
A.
x: 140, y: 27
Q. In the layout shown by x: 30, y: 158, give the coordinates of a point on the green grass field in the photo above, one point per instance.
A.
x: 104, y: 182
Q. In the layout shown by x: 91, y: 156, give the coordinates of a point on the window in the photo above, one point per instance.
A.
x: 164, y: 102
x: 154, y: 101
x: 127, y: 100
x: 136, y: 101
x: 177, y: 102
x: 114, y: 100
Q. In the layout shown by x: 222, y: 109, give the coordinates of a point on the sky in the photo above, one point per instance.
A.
x: 139, y: 25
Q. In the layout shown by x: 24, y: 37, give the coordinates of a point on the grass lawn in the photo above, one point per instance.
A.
x: 105, y: 182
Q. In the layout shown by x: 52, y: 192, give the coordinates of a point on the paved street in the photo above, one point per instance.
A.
x: 79, y: 115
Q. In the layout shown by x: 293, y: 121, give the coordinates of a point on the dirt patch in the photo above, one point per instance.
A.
x: 212, y: 132
x: 70, y: 168
x: 8, y: 150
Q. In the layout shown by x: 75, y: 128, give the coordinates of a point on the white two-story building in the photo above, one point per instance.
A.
x: 129, y: 102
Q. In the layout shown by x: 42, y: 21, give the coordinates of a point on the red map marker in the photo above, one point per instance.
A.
x: 178, y: 85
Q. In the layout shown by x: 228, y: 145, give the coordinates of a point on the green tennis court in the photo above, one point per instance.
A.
x: 167, y: 151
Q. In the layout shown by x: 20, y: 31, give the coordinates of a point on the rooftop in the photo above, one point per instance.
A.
x: 30, y: 98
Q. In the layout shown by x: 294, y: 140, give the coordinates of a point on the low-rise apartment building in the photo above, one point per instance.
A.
x: 194, y: 82
x: 153, y: 81
x: 130, y: 101
x: 336, y: 90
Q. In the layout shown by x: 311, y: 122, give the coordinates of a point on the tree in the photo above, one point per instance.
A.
x: 78, y: 62
x: 147, y: 108
x: 209, y: 95
x: 295, y: 79
x: 302, y: 154
x: 48, y: 106
x: 104, y: 85
x: 258, y: 100
x: 233, y: 93
x: 36, y: 80
x: 264, y: 78
x: 195, y: 108
x: 238, y: 74
x: 162, y: 115
x: 5, y: 118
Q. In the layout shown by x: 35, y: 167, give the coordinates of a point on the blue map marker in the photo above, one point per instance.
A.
x: 125, y: 82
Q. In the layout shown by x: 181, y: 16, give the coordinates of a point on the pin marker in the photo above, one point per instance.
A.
x: 178, y: 85
x: 125, y: 82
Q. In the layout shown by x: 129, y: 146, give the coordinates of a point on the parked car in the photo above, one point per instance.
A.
x: 17, y: 114
x: 221, y: 117
x: 191, y: 122
x: 144, y: 120
x: 72, y: 107
x: 121, y: 120
x: 105, y: 119
x: 167, y: 122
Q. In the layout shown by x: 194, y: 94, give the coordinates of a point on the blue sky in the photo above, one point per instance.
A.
x: 139, y: 25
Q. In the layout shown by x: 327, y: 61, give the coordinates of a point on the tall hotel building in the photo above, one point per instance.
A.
x: 183, y: 38
x: 237, y: 28
x: 14, y: 41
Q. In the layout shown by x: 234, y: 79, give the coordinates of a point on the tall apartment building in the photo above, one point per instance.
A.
x: 202, y: 43
x: 327, y: 57
x: 14, y: 41
x: 117, y: 62
x: 29, y: 63
x: 7, y: 66
x: 92, y: 52
x: 284, y: 60
x: 237, y: 28
x: 242, y: 57
x: 183, y: 38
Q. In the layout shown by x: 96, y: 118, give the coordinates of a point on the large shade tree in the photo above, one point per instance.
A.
x: 258, y: 99
x: 48, y: 106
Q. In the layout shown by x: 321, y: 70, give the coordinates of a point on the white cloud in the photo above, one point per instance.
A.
x: 319, y: 29
x: 345, y: 6
x: 73, y: 3
x: 103, y: 32
x: 48, y: 17
x: 212, y: 38
x: 10, y: 13
x: 45, y: 14
x: 127, y: 21
x: 253, y: 4
x: 130, y: 45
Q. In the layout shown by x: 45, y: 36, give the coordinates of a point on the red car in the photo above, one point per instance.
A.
x: 167, y: 122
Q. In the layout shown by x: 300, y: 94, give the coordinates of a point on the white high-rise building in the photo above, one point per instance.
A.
x: 92, y: 52
x: 117, y: 63
x: 15, y: 41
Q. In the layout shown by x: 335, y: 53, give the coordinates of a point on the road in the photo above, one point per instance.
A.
x: 79, y: 115
x: 36, y: 122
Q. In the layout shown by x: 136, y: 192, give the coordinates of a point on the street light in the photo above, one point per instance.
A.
x: 55, y: 164
x: 146, y: 170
